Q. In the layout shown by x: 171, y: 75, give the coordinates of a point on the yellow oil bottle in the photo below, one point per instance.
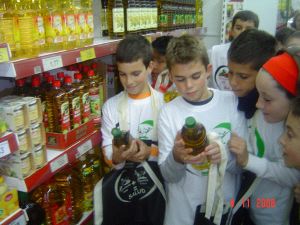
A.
x: 53, y: 25
x: 69, y: 181
x: 116, y: 18
x: 74, y: 102
x: 84, y: 97
x: 194, y: 135
x: 9, y: 32
x: 87, y: 183
x: 39, y: 10
x: 103, y: 15
x: 87, y: 7
x: 70, y: 24
x: 95, y: 162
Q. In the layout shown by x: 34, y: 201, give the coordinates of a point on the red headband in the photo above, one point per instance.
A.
x: 284, y: 70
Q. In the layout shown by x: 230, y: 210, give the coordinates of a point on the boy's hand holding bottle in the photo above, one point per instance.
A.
x: 238, y: 146
x: 125, y: 148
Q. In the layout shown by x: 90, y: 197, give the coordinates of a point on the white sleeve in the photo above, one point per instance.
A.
x: 107, y: 124
x: 274, y: 171
x: 171, y: 170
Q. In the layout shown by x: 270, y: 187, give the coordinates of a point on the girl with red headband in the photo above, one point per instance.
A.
x: 271, y: 192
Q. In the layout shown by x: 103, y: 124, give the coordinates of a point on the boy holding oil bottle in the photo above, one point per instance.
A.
x: 132, y: 193
x: 198, y: 192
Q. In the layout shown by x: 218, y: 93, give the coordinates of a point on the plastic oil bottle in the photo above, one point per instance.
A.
x: 94, y: 98
x: 84, y: 97
x: 116, y: 18
x: 74, y: 102
x: 95, y: 162
x: 60, y: 106
x: 70, y: 24
x: 103, y: 15
x: 87, y: 183
x: 120, y: 138
x: 53, y: 25
x: 69, y: 181
x: 194, y: 135
x: 131, y: 16
x: 27, y: 28
x: 20, y: 88
x: 100, y: 81
x: 9, y: 32
x: 82, y: 26
x: 40, y: 32
x: 87, y: 6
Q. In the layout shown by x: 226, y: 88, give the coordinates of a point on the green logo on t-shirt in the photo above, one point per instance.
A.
x: 145, y: 129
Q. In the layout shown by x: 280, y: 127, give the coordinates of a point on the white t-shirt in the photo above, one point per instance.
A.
x: 140, y: 117
x: 266, y: 161
x: 219, y: 66
x: 187, y: 186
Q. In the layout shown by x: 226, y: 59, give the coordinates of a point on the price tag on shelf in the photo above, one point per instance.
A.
x: 85, y: 147
x: 87, y: 54
x: 4, y: 148
x: 59, y: 163
x: 52, y: 63
x: 3, y: 55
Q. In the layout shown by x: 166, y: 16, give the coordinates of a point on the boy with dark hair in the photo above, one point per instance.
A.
x: 259, y: 153
x: 241, y: 21
x: 282, y: 36
x: 160, y: 73
x: 132, y: 193
x: 198, y: 192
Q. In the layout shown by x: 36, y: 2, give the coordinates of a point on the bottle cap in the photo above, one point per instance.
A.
x: 91, y: 73
x: 56, y: 83
x: 68, y: 80
x: 78, y: 76
x: 116, y: 132
x: 35, y: 82
x: 20, y: 82
x: 190, y: 122
x: 60, y: 75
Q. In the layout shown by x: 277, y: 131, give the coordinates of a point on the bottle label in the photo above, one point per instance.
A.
x: 71, y: 27
x: 163, y: 19
x: 82, y: 26
x: 90, y: 25
x: 86, y: 107
x: 65, y: 118
x: 96, y: 165
x: 118, y: 20
x: 59, y: 215
x: 87, y: 171
x: 41, y: 30
x: 95, y: 102
x: 88, y: 200
x: 54, y: 29
x: 76, y: 112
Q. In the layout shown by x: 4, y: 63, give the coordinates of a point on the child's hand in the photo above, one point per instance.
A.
x: 142, y: 153
x: 238, y: 146
x: 213, y: 152
x: 121, y: 154
x: 297, y: 193
x: 180, y: 153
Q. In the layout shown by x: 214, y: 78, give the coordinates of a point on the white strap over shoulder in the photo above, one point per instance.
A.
x: 160, y: 81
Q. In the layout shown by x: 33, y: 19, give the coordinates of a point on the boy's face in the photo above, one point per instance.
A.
x: 272, y: 101
x: 191, y: 80
x: 290, y: 141
x: 134, y: 76
x: 240, y: 26
x: 241, y: 78
x: 159, y: 64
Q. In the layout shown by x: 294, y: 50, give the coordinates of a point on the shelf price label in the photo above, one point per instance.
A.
x: 59, y: 163
x: 4, y: 149
x: 85, y: 147
x: 87, y: 54
x: 3, y: 55
x: 52, y: 63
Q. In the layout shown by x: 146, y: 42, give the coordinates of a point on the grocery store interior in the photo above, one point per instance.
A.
x: 50, y: 47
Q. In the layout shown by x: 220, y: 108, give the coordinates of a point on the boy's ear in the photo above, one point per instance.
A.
x: 208, y: 70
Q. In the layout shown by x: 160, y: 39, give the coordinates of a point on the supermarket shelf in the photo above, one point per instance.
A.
x: 48, y: 61
x: 87, y: 217
x: 8, y: 144
x: 18, y: 217
x: 57, y: 160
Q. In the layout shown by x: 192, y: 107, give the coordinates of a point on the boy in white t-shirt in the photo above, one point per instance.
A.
x: 191, y: 196
x: 241, y: 21
x: 129, y: 193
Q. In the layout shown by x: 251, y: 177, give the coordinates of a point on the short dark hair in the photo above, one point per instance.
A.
x: 283, y: 34
x: 246, y: 15
x: 132, y: 48
x: 160, y: 44
x: 252, y: 46
x: 186, y: 49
